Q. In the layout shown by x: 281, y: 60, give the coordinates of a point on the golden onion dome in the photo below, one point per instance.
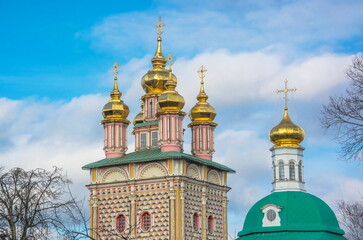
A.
x: 139, y: 118
x: 286, y: 133
x: 170, y: 100
x: 153, y: 82
x: 202, y: 112
x: 115, y: 109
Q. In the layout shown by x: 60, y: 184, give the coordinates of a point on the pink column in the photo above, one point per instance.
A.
x: 203, y: 141
x: 171, y: 137
x: 115, y: 139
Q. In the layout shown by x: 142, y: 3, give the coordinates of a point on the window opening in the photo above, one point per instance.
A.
x: 154, y: 138
x: 196, y: 221
x: 146, y: 221
x: 292, y: 170
x: 121, y: 223
x: 281, y: 171
x: 143, y: 140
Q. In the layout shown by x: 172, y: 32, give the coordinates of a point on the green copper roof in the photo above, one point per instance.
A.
x: 302, y: 215
x: 145, y: 124
x: 293, y: 236
x: 151, y: 155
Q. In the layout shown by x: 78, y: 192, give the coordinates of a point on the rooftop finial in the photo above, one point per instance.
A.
x: 201, y: 72
x: 115, y: 94
x: 160, y: 26
x: 170, y: 60
x: 285, y: 91
x: 115, y: 71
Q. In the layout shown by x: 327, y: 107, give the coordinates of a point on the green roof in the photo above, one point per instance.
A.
x: 152, y: 155
x: 145, y: 124
x: 302, y: 215
x: 293, y: 236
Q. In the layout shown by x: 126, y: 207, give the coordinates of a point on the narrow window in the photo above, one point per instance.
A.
x: 210, y: 224
x: 143, y: 140
x: 300, y: 172
x: 151, y: 109
x: 196, y: 221
x: 292, y: 170
x: 154, y: 138
x: 281, y: 171
x: 120, y: 223
x: 145, y: 221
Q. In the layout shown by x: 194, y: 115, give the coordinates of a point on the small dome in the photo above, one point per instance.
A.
x: 115, y: 109
x: 153, y: 82
x: 286, y: 133
x: 170, y: 100
x: 139, y: 118
x: 300, y: 216
x: 202, y: 112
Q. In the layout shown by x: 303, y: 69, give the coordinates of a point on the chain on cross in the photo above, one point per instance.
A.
x: 285, y: 91
x: 201, y: 72
x: 115, y: 71
x: 160, y: 26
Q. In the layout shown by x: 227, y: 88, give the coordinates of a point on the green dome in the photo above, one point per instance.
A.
x: 302, y: 216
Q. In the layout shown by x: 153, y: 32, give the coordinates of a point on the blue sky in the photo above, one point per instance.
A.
x: 55, y: 77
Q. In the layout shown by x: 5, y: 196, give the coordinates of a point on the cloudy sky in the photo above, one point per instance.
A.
x: 55, y: 76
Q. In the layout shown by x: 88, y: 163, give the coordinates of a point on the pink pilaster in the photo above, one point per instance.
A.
x: 171, y: 134
x: 203, y: 141
x: 115, y: 139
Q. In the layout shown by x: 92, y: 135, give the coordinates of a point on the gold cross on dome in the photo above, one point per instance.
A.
x: 285, y: 91
x: 170, y: 60
x: 201, y: 72
x: 160, y: 26
x: 115, y: 71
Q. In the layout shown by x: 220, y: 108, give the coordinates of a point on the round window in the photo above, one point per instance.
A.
x: 271, y: 215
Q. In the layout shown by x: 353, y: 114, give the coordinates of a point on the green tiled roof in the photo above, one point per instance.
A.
x: 144, y: 124
x: 293, y: 236
x: 151, y: 155
x: 302, y: 215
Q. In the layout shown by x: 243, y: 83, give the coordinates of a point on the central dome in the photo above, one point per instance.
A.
x: 286, y: 133
x: 302, y: 216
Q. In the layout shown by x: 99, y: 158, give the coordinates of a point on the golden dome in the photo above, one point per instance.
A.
x: 170, y: 100
x: 202, y: 112
x: 139, y: 118
x: 115, y: 109
x: 153, y: 82
x: 286, y: 133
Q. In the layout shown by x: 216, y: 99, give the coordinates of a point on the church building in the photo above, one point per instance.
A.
x: 158, y: 192
x: 289, y: 212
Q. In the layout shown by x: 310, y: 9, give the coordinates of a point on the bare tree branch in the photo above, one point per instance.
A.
x: 344, y: 114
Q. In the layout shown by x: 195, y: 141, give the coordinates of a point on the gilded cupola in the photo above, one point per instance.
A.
x: 115, y: 109
x: 170, y: 100
x: 286, y: 133
x: 139, y: 118
x: 202, y: 112
x: 153, y: 82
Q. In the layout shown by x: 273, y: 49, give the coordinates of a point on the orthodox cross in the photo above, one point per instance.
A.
x: 160, y: 26
x: 285, y: 91
x: 170, y: 60
x: 201, y: 72
x: 115, y: 71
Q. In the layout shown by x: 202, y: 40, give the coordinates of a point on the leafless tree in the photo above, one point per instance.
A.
x: 351, y: 217
x: 31, y: 203
x: 345, y: 114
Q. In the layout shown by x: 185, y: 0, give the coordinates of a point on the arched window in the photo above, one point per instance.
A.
x: 300, y: 172
x: 196, y: 219
x: 120, y: 223
x: 292, y: 170
x: 145, y: 221
x: 151, y: 108
x: 210, y: 224
x: 281, y: 171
